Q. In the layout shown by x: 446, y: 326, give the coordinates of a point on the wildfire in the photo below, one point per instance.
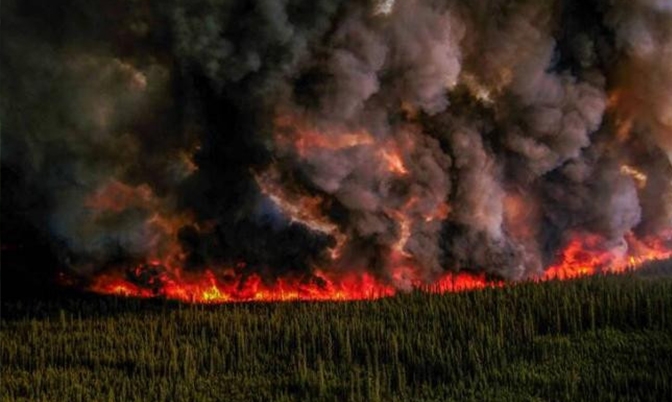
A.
x: 211, y: 288
x: 582, y: 256
x: 585, y: 255
x: 227, y: 286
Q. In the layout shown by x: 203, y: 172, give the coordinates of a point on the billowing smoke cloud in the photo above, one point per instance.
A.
x: 281, y: 137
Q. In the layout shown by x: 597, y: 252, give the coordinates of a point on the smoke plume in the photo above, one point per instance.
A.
x: 399, y: 138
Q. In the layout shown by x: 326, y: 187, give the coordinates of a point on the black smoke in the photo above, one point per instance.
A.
x: 141, y: 130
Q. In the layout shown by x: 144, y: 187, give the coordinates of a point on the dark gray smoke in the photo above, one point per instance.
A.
x: 280, y: 137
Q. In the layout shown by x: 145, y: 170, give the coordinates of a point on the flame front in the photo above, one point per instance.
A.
x: 163, y: 275
x: 209, y: 287
x: 583, y: 256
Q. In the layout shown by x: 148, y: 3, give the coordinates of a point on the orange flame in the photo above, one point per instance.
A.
x: 393, y: 161
x: 211, y: 288
x: 208, y: 287
x: 584, y: 255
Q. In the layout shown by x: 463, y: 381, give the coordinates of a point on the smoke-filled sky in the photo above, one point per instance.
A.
x: 284, y: 136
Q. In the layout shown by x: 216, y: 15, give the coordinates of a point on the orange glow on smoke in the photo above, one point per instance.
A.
x: 620, y: 104
x: 394, y: 162
x: 310, y: 140
x: 300, y: 208
x: 162, y: 275
x: 404, y: 220
x: 116, y: 196
x: 304, y: 138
